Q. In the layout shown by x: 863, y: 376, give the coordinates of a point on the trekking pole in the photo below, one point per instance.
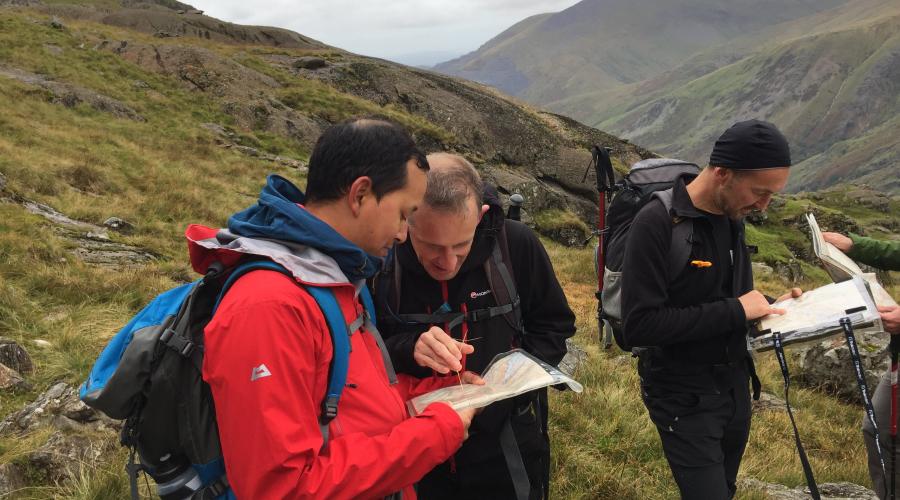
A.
x: 852, y: 346
x: 895, y: 349
x: 605, y: 183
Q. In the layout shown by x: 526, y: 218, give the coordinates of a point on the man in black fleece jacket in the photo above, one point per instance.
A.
x: 458, y: 240
x: 695, y: 366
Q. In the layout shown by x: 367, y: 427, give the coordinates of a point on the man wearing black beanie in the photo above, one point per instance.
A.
x: 691, y: 324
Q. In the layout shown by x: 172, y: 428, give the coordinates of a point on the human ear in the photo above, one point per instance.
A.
x: 484, y: 210
x: 358, y: 192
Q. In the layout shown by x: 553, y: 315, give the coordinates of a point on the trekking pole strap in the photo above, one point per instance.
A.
x: 895, y: 350
x: 514, y: 462
x: 804, y: 461
x: 847, y: 326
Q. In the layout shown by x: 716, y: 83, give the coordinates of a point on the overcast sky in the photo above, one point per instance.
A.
x: 416, y: 32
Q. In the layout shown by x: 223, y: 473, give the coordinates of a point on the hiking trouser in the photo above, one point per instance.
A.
x: 703, y: 435
x: 881, y: 401
x: 482, y: 480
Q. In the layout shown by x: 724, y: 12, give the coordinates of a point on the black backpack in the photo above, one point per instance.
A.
x: 150, y: 376
x: 647, y: 179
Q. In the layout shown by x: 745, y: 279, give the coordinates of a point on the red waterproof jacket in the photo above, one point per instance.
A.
x: 268, y: 350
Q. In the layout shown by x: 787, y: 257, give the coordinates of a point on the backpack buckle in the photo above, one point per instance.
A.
x: 330, y: 409
x: 166, y: 335
x: 188, y: 349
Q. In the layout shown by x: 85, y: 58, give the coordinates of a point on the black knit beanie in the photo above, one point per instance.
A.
x: 751, y: 145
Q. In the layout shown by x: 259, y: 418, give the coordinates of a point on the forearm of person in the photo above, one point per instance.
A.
x: 883, y: 254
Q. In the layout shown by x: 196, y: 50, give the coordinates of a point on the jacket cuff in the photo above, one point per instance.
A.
x: 856, y: 249
x: 449, y: 424
x: 738, y: 318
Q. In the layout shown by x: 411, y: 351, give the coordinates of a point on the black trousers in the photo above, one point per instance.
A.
x: 486, y: 480
x: 703, y: 435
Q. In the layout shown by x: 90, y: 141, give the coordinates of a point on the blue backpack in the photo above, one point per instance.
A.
x: 150, y: 376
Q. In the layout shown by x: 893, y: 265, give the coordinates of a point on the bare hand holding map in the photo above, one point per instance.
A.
x: 509, y: 374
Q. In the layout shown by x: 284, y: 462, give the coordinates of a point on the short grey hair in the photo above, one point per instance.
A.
x: 451, y: 181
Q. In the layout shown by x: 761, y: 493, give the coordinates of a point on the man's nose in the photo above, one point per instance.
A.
x: 402, y: 233
x: 763, y: 202
x: 448, y: 258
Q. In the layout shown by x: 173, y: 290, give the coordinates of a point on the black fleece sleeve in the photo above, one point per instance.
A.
x: 545, y: 311
x: 648, y: 320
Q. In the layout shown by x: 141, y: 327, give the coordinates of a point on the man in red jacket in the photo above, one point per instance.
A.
x: 268, y: 347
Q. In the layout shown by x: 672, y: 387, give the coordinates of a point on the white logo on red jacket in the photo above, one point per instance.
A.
x: 475, y: 295
x: 259, y: 372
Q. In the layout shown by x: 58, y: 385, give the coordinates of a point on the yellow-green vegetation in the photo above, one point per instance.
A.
x: 555, y: 222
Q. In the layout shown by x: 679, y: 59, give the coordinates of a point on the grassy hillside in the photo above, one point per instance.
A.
x: 94, y: 128
x: 833, y: 94
x: 825, y: 72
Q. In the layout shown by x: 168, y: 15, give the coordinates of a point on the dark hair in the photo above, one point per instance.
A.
x: 372, y: 147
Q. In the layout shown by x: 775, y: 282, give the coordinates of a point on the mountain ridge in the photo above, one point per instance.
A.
x: 857, y: 75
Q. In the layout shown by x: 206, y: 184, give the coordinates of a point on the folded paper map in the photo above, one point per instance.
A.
x: 838, y: 265
x: 817, y: 314
x: 508, y: 375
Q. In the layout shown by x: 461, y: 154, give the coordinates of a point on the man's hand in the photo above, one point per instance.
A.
x: 466, y: 417
x: 842, y: 242
x: 468, y: 377
x: 793, y: 294
x: 890, y: 316
x: 439, y: 351
x: 756, y: 306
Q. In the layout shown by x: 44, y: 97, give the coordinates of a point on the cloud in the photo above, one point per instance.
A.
x: 384, y: 28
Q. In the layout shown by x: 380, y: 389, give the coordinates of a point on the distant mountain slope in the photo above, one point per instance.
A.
x: 836, y: 95
x: 605, y: 43
x: 826, y: 73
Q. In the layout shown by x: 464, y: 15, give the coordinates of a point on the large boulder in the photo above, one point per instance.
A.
x: 15, y: 356
x: 828, y: 491
x: 827, y: 364
x: 11, y: 380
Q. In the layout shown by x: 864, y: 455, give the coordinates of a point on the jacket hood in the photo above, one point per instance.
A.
x: 482, y: 245
x: 279, y: 228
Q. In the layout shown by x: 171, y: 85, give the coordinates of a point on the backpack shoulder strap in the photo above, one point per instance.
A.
x: 340, y: 359
x: 682, y: 235
x: 337, y: 327
x: 497, y: 269
x: 245, y: 268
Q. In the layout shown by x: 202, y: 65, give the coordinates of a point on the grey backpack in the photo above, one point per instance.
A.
x: 647, y: 179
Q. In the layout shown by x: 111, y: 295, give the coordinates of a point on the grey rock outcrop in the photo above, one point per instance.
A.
x: 828, y: 365
x: 92, y: 242
x: 15, y: 356
x: 769, y: 402
x: 120, y: 225
x: 11, y: 380
x: 828, y: 491
x: 309, y: 62
x: 59, y: 407
x: 70, y: 95
x: 574, y: 358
